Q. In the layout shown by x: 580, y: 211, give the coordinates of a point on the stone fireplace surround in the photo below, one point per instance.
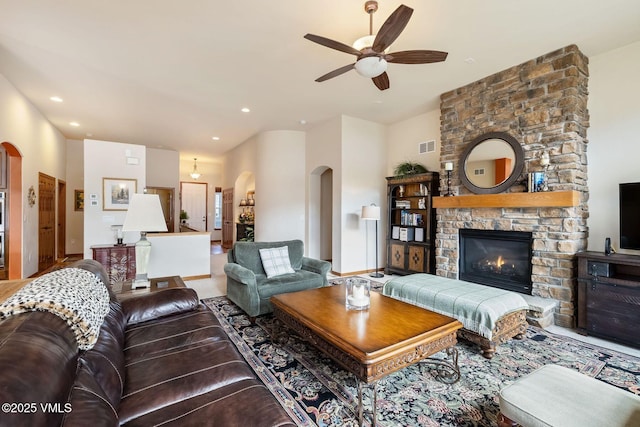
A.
x: 543, y: 104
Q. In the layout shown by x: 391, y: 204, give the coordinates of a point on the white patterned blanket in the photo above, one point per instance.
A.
x: 477, y: 307
x: 77, y: 296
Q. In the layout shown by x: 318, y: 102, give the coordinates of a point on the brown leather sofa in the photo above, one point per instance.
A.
x: 161, y: 358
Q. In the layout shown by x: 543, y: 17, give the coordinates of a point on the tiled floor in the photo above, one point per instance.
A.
x: 217, y: 286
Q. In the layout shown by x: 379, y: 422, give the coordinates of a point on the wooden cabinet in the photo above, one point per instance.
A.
x: 609, y: 296
x: 119, y: 261
x: 411, y: 224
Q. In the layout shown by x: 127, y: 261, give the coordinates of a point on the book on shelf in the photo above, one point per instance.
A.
x: 409, y: 218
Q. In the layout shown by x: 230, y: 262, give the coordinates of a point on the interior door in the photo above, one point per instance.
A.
x: 227, y: 218
x: 62, y: 219
x: 46, y: 221
x: 166, y: 195
x: 194, y: 201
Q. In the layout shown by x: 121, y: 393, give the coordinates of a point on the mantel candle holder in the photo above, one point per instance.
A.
x: 449, y: 168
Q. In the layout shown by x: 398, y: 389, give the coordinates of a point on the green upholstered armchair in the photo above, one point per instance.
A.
x: 248, y: 285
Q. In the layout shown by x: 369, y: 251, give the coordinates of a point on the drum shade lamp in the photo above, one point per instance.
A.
x: 372, y: 213
x: 144, y: 215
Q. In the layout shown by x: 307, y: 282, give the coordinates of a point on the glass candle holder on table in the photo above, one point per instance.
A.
x: 357, y: 294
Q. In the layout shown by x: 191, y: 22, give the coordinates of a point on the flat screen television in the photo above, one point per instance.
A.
x: 630, y: 215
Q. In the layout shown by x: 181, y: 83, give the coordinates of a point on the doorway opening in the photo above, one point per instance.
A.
x: 62, y: 220
x: 321, y: 214
x: 167, y: 195
x: 46, y: 221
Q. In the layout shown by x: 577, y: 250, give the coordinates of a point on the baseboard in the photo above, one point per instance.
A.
x: 204, y: 276
x: 356, y: 273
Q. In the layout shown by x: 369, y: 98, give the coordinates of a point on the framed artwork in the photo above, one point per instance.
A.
x: 78, y: 200
x: 117, y: 192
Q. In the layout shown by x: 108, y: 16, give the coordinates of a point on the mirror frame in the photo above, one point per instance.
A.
x: 515, y: 173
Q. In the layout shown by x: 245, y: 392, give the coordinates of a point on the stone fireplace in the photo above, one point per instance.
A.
x: 543, y: 104
x: 501, y: 259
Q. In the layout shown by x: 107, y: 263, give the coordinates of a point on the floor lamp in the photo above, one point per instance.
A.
x: 144, y: 215
x: 372, y: 213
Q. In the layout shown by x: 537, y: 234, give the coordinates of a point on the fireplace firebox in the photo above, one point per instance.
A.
x: 501, y: 259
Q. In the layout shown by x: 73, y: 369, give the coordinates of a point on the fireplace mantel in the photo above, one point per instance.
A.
x: 510, y: 200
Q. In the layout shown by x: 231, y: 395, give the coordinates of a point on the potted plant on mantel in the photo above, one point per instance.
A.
x: 408, y: 168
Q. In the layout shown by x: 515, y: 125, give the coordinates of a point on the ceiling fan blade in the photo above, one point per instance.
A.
x: 382, y: 81
x: 392, y: 28
x: 335, y: 73
x: 332, y: 44
x: 416, y: 57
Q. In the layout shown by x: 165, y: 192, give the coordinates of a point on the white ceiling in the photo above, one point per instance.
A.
x: 173, y: 74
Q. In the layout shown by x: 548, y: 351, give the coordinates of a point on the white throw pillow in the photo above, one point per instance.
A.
x: 275, y: 261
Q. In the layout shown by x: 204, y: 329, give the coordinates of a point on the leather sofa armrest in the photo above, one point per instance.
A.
x: 159, y: 304
x: 240, y: 274
x: 318, y: 266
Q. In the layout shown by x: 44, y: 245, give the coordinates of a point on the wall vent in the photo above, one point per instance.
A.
x: 427, y: 147
x: 478, y: 171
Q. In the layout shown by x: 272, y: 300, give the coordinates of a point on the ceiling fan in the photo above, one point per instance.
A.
x: 370, y: 50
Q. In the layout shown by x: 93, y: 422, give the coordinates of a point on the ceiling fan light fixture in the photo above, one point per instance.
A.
x: 364, y: 42
x: 371, y: 66
x: 195, y: 174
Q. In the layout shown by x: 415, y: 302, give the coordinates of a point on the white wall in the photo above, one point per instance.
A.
x: 404, y: 137
x: 180, y: 254
x: 324, y: 150
x: 239, y: 163
x: 75, y: 181
x: 103, y: 159
x: 613, y: 149
x: 43, y: 149
x: 280, y: 186
x: 363, y: 183
x: 356, y: 152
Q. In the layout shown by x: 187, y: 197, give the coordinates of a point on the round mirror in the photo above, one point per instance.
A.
x: 491, y: 163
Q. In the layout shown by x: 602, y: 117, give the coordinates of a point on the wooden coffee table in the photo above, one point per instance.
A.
x: 373, y: 343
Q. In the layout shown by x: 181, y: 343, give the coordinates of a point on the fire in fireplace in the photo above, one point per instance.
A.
x: 501, y: 259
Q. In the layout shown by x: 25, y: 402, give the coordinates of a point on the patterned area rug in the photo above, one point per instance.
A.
x: 317, y: 392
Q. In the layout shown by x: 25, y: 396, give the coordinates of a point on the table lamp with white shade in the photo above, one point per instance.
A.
x: 144, y: 215
x: 372, y: 213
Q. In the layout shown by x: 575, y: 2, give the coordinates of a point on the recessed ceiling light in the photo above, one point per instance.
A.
x: 303, y: 122
x: 245, y: 110
x: 377, y: 101
x: 76, y: 124
x: 215, y: 138
x: 469, y: 60
x: 56, y: 99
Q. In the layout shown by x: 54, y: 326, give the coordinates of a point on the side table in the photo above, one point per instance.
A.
x: 118, y: 260
x: 123, y: 289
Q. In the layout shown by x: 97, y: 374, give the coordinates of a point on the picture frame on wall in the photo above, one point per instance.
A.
x: 117, y: 193
x: 78, y: 200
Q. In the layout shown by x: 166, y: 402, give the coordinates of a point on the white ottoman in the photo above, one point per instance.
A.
x: 556, y: 396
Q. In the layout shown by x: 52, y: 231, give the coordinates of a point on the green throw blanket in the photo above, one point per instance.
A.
x: 477, y: 307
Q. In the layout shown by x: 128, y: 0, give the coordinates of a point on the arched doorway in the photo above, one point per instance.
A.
x: 321, y: 214
x: 12, y: 216
x: 244, y: 189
